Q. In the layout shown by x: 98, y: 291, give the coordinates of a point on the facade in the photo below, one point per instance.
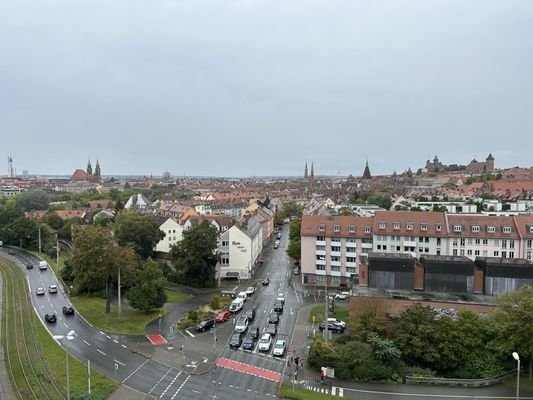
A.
x: 173, y: 234
x: 138, y: 202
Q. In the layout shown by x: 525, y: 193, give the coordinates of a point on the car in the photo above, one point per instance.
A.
x: 68, y: 310
x: 205, y: 325
x: 250, y: 290
x: 271, y: 329
x: 243, y: 296
x: 273, y: 318
x: 40, y: 291
x: 29, y: 266
x: 278, y: 236
x: 52, y: 289
x: 265, y: 281
x: 11, y: 252
x: 228, y: 293
x: 278, y: 306
x: 222, y: 316
x: 43, y: 265
x: 242, y: 324
x: 331, y: 327
x: 236, y: 305
x: 249, y: 342
x: 265, y: 342
x: 276, y: 244
x: 254, y: 331
x: 50, y: 318
x: 338, y: 322
x: 279, y: 348
x: 250, y: 314
x: 236, y: 340
x: 281, y: 297
x: 342, y: 295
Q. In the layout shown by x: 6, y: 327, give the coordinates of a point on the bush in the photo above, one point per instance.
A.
x: 193, y: 315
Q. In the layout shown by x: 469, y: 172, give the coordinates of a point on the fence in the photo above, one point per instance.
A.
x: 459, y: 382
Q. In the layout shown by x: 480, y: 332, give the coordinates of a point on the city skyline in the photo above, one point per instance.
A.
x: 251, y: 88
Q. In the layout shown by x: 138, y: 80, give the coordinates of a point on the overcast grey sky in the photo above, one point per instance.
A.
x: 241, y: 88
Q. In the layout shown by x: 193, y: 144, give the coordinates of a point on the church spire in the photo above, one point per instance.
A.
x: 366, y: 173
x: 312, y: 170
x: 97, y: 171
x: 305, y: 171
x: 89, y: 167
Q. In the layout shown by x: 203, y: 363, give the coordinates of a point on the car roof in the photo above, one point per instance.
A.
x: 265, y: 336
x: 280, y: 341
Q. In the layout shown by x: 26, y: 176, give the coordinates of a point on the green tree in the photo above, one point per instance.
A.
x: 294, y: 250
x: 294, y: 229
x: 24, y: 231
x: 148, y: 291
x: 384, y: 349
x: 346, y: 211
x: 53, y: 220
x: 369, y: 317
x: 33, y: 200
x: 139, y: 231
x: 381, y: 199
x: 194, y: 258
x: 416, y: 335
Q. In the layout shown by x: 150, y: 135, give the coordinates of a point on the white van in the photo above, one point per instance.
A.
x: 242, y: 296
x: 236, y: 305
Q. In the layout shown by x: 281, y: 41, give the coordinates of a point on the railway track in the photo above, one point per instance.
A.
x: 30, y: 374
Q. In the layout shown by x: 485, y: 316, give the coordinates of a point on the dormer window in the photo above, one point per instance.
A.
x: 530, y: 228
x: 351, y: 228
x: 423, y: 227
x: 368, y: 229
x: 396, y: 226
x: 321, y: 227
x: 336, y: 228
x: 409, y: 227
x: 457, y: 228
x: 438, y: 227
x: 382, y: 225
x: 491, y: 229
x: 476, y: 228
x: 506, y: 229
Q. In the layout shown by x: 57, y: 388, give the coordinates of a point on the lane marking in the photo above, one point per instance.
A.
x: 183, y: 384
x: 107, y: 336
x: 170, y: 384
x: 86, y: 342
x: 118, y: 362
x: 159, y: 381
x: 124, y: 346
x: 116, y: 341
x: 101, y: 352
x: 190, y: 334
x: 138, y: 368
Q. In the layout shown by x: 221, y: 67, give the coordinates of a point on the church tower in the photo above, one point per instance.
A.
x: 366, y: 173
x: 89, y: 167
x: 489, y: 163
x: 97, y: 172
x: 312, y: 171
x: 305, y: 171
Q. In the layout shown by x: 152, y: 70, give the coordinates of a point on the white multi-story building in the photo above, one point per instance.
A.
x: 173, y: 234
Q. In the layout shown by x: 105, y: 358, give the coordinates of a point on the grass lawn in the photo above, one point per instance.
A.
x: 175, y: 297
x: 53, y: 261
x: 286, y: 392
x: 131, y: 321
x: 341, y: 312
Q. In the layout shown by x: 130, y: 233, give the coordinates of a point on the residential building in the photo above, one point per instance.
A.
x: 173, y: 234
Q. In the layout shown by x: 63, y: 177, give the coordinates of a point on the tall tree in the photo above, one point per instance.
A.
x: 148, y: 291
x: 369, y: 317
x: 34, y: 200
x: 194, y: 258
x: 138, y: 231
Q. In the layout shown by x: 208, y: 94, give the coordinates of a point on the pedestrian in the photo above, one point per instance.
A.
x: 321, y: 375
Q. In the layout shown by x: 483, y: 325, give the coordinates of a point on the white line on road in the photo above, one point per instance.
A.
x: 66, y: 326
x: 116, y: 341
x: 183, y: 384
x: 101, y: 352
x: 86, y: 342
x: 159, y: 381
x: 190, y: 334
x: 107, y: 336
x: 102, y: 333
x: 118, y: 362
x: 138, y: 368
x: 124, y: 346
x: 171, y: 383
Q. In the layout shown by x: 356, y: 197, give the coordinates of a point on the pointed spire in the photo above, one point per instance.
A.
x: 366, y: 172
x: 89, y: 167
x: 305, y: 171
x: 312, y: 170
x: 97, y: 171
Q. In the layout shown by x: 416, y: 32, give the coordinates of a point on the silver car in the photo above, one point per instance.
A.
x: 279, y: 348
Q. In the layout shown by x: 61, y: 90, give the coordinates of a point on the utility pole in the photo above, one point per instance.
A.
x: 39, y: 239
x: 326, y: 330
x: 119, y: 302
x: 57, y: 256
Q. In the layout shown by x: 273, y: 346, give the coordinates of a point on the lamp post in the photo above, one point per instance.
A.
x: 517, y: 358
x: 68, y: 336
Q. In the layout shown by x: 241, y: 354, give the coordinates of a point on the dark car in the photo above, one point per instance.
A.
x: 278, y: 306
x: 249, y: 342
x: 205, y: 325
x: 11, y: 252
x: 250, y: 314
x: 265, y: 281
x: 50, y: 318
x: 68, y: 310
x: 272, y: 329
x: 236, y: 340
x: 273, y: 318
x: 333, y: 327
x: 254, y: 331
x: 29, y: 266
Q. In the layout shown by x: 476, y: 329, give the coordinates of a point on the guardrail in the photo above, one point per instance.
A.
x: 458, y: 382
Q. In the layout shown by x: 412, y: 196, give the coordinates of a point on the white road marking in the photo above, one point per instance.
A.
x: 66, y: 326
x: 86, y: 342
x: 102, y: 333
x: 138, y: 368
x: 171, y: 383
x: 124, y: 346
x: 118, y: 362
x: 107, y: 336
x: 159, y: 381
x: 183, y: 384
x: 116, y: 341
x: 101, y: 352
x: 190, y: 334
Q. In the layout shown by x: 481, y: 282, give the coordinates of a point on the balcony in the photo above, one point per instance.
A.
x: 320, y: 252
x: 366, y: 246
x: 335, y: 273
x: 409, y: 243
x: 351, y: 264
x: 335, y: 253
x: 412, y: 253
x: 335, y: 263
x: 335, y: 242
x: 320, y: 243
x: 351, y: 244
x: 349, y: 274
x: 320, y: 272
x: 320, y: 262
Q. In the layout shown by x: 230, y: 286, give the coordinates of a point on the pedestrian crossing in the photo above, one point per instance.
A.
x: 335, y: 391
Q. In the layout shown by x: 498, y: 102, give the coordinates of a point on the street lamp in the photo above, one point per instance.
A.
x: 68, y: 336
x: 517, y: 358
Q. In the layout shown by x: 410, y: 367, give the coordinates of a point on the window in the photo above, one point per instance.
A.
x: 462, y: 252
x: 421, y: 239
x: 320, y: 257
x: 409, y: 227
x: 469, y: 252
x: 504, y: 254
x: 511, y: 254
x: 511, y: 244
x: 506, y: 229
x: 398, y: 248
x: 485, y: 253
x: 321, y: 238
x: 382, y: 225
x: 320, y: 247
x: 438, y: 227
x: 320, y: 267
x: 496, y: 242
x: 420, y: 249
x: 335, y: 248
x: 225, y: 243
x: 529, y: 243
x: 496, y: 254
x: 469, y: 241
x: 454, y: 243
x: 351, y: 228
x: 368, y: 229
x: 335, y: 258
x: 426, y: 240
x: 321, y: 227
x: 462, y: 242
x: 351, y: 259
x: 491, y: 229
x: 457, y: 228
x: 528, y: 255
x: 454, y: 252
x: 224, y: 261
x: 336, y: 228
x: 384, y: 247
x: 396, y: 226
x: 350, y: 270
x: 378, y: 247
x: 335, y: 279
x: 423, y: 227
x: 504, y: 243
x: 485, y: 242
x: 476, y: 253
x: 335, y: 268
x: 476, y: 228
x: 438, y: 241
x: 478, y: 242
x: 530, y: 228
x: 438, y: 252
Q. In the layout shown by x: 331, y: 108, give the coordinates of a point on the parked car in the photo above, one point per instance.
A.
x: 250, y: 290
x: 236, y: 305
x: 338, y: 322
x: 276, y: 244
x: 279, y: 348
x: 265, y: 342
x: 228, y: 293
x: 281, y: 297
x: 250, y: 314
x: 52, y: 289
x: 278, y: 306
x: 333, y: 327
x: 271, y: 329
x: 242, y: 295
x: 249, y: 342
x: 265, y: 281
x: 68, y: 310
x: 29, y: 266
x: 40, y: 291
x: 205, y: 325
x: 242, y: 324
x: 50, y: 318
x: 222, y: 316
x: 254, y: 331
x: 342, y: 295
x: 273, y: 318
x: 296, y: 271
x: 236, y: 340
